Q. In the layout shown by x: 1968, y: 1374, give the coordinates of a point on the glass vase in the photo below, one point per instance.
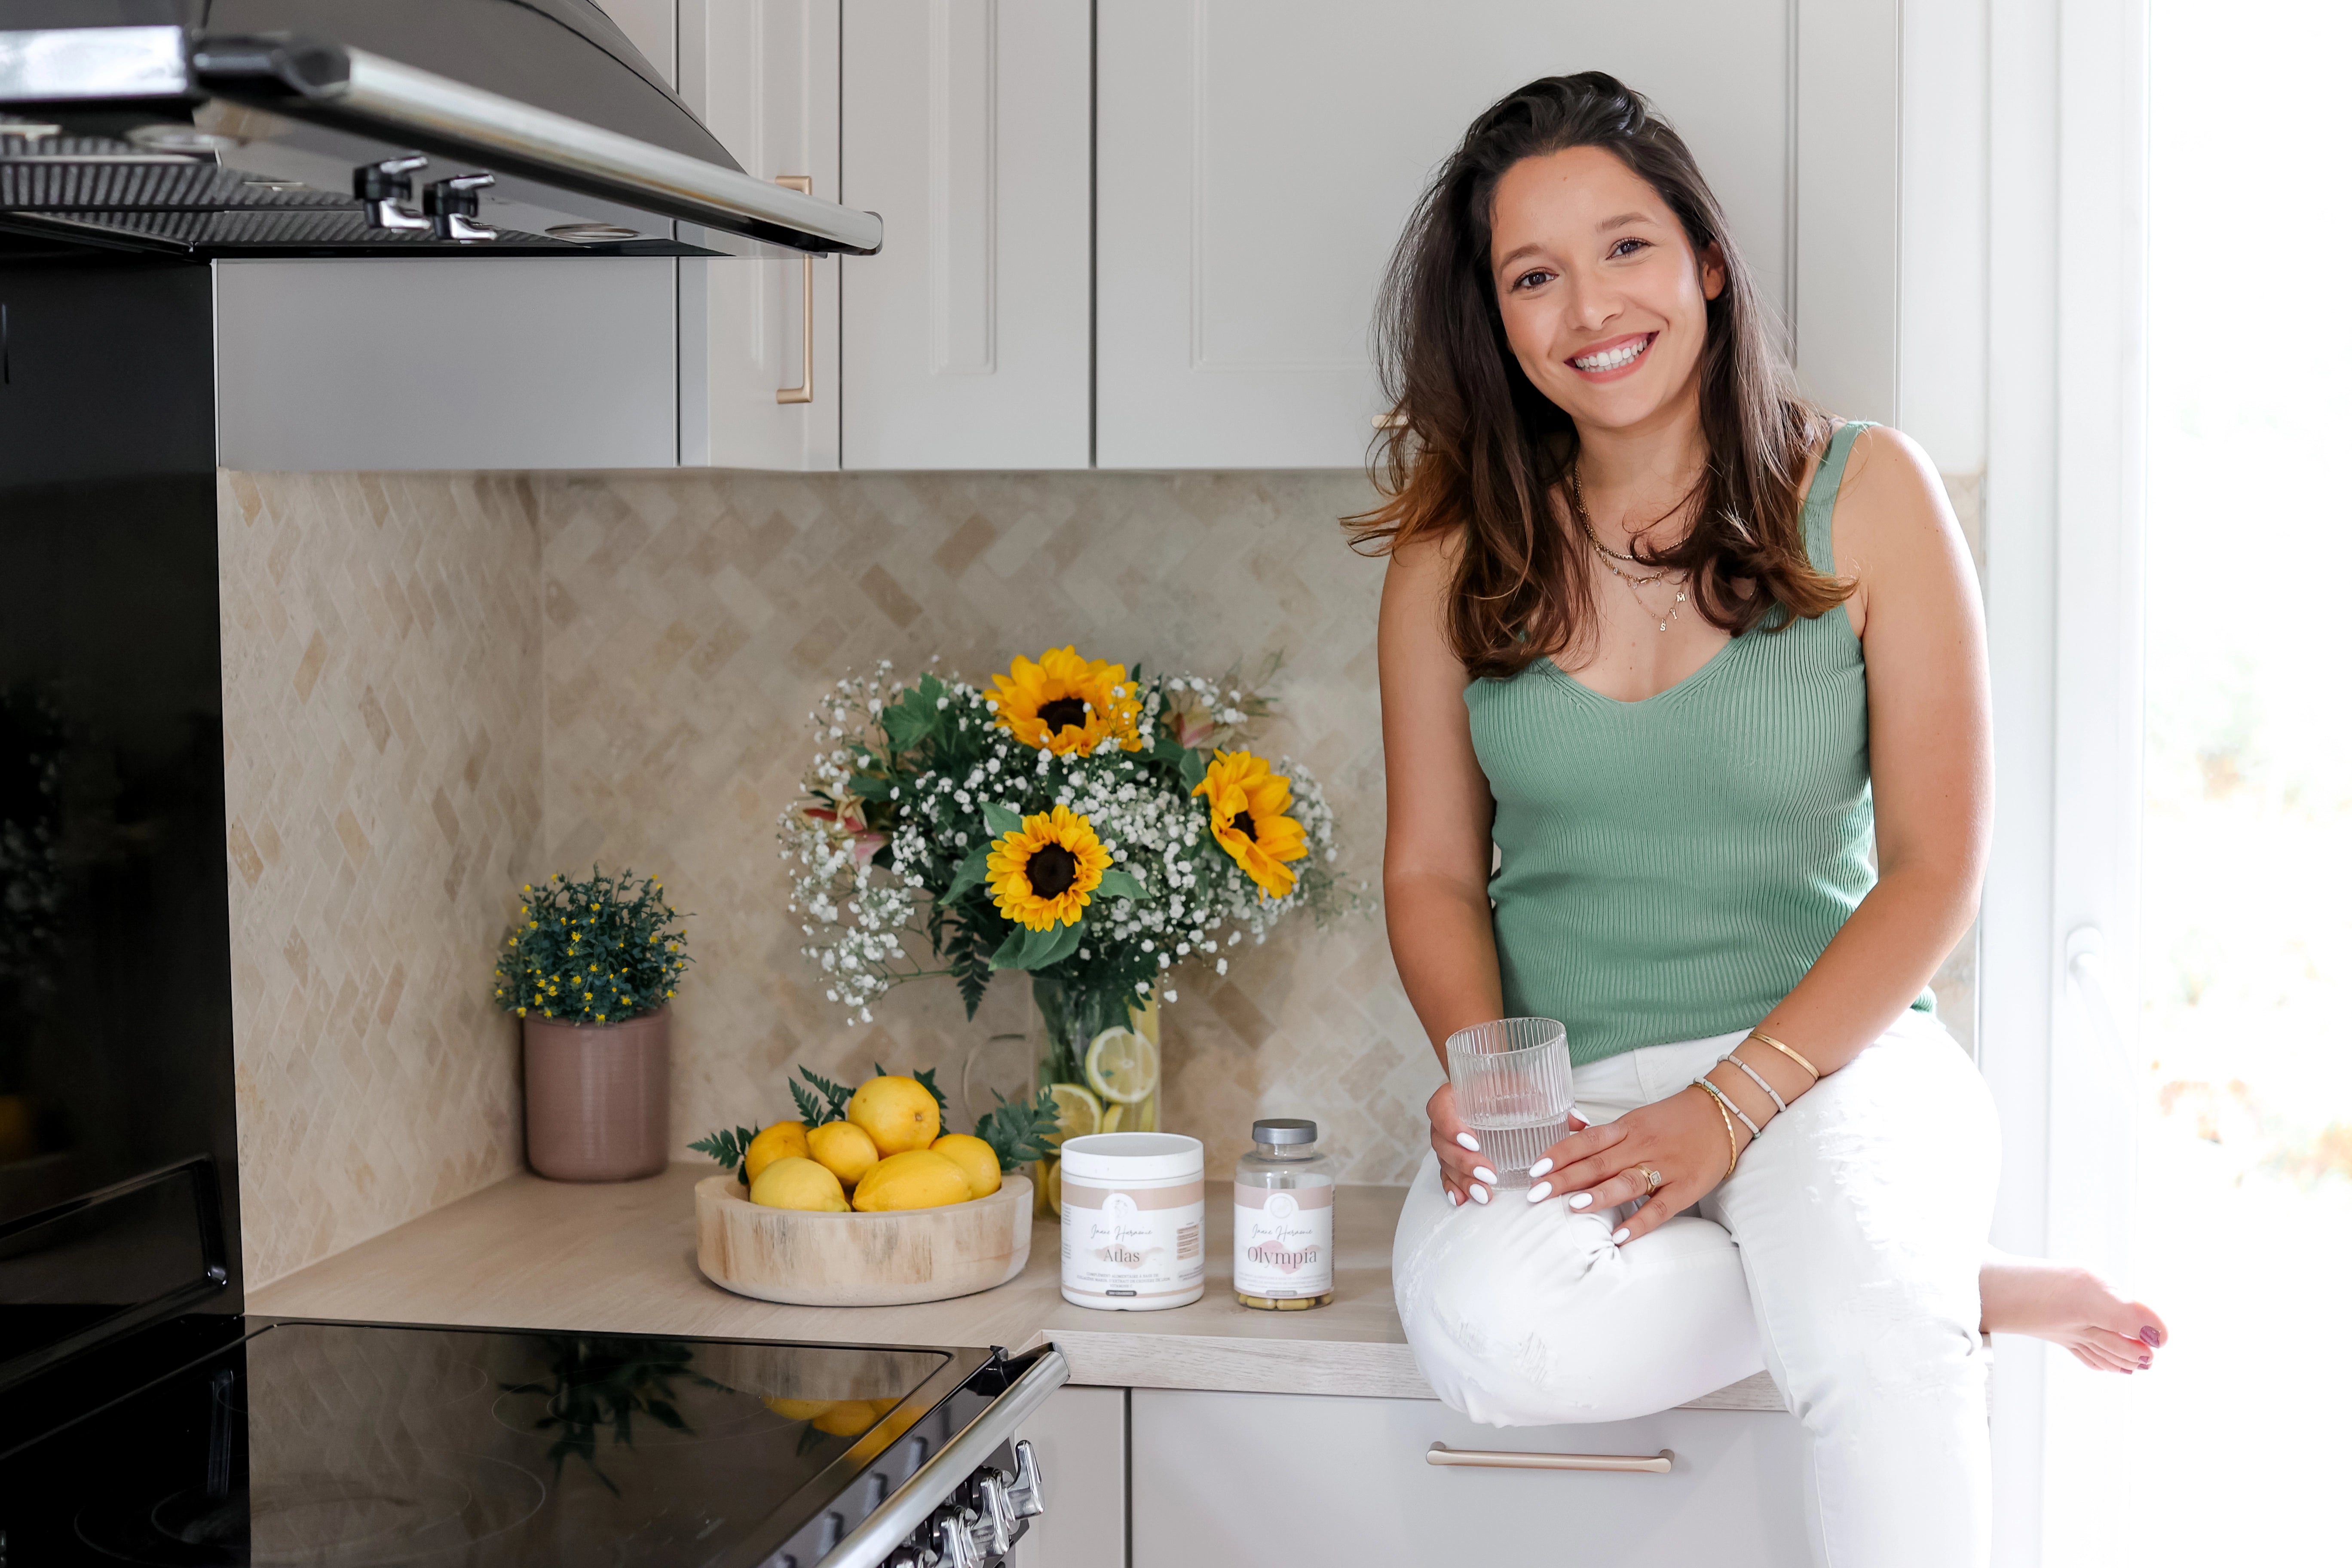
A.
x: 1069, y: 1021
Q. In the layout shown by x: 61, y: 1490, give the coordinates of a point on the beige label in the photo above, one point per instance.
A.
x: 1125, y: 1245
x: 1087, y: 1196
x: 1282, y: 1241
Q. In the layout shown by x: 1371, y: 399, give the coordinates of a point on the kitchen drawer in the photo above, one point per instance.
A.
x: 1293, y: 1481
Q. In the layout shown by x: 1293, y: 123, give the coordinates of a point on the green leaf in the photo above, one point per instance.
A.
x: 726, y: 1148
x: 1168, y: 749
x: 1019, y: 1131
x: 1118, y: 884
x: 1012, y: 953
x: 811, y: 1108
x: 1049, y: 947
x: 909, y: 721
x: 836, y: 1103
x: 929, y: 1078
x: 1193, y: 769
x: 970, y: 875
x: 866, y: 788
x: 1000, y: 819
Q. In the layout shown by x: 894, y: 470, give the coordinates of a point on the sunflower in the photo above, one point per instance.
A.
x: 1062, y: 703
x: 1248, y: 812
x: 1041, y: 872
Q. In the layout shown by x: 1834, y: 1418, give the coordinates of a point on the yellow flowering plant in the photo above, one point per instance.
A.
x: 1090, y: 825
x: 592, y: 950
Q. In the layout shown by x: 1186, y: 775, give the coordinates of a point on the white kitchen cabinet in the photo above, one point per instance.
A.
x: 1080, y: 1436
x: 964, y: 342
x: 1255, y: 165
x: 652, y: 25
x: 759, y: 368
x: 488, y: 363
x: 1259, y: 1480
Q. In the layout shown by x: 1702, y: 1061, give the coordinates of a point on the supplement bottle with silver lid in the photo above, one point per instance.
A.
x: 1282, y: 1219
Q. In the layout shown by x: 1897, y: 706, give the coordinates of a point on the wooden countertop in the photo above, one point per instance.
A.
x: 619, y: 1257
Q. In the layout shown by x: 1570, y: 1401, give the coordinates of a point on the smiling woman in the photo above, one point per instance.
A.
x: 1726, y: 850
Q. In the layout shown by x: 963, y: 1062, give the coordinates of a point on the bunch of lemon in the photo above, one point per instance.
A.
x: 888, y: 1154
x: 1120, y: 1094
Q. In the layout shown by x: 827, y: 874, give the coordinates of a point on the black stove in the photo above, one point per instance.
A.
x: 364, y: 1443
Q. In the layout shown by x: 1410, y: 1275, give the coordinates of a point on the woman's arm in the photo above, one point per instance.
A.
x: 1922, y: 627
x: 1433, y: 870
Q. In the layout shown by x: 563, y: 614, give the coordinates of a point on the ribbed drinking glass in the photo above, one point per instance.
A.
x: 1511, y: 1087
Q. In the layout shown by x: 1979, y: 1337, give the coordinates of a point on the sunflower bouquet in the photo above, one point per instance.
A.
x: 1091, y: 828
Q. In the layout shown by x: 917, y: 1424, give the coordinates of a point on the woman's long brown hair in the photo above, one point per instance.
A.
x: 1474, y: 450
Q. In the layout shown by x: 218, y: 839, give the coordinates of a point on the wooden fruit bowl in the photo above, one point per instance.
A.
x: 860, y: 1259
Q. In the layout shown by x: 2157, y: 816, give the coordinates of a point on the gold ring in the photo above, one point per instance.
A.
x: 1655, y: 1180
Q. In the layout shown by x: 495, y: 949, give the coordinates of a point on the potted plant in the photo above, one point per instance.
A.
x: 590, y: 969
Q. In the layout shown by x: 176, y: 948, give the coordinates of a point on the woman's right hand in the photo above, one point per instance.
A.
x: 1460, y: 1165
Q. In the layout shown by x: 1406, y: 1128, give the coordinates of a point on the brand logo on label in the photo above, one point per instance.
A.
x: 1119, y: 1205
x: 1281, y: 1205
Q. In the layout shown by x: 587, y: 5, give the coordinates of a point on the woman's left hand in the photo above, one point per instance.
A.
x: 1679, y: 1137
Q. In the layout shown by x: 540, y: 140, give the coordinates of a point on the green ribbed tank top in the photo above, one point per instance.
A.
x: 1670, y: 869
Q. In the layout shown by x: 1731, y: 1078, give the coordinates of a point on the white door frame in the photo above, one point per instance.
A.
x: 2065, y: 421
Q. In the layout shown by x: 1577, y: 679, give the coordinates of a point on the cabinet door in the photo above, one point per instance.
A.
x: 1257, y: 163
x: 1261, y: 1481
x: 965, y: 123
x: 758, y: 342
x: 1080, y: 1436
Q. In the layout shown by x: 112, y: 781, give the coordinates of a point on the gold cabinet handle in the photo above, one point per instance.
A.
x: 806, y: 390
x: 1659, y: 1463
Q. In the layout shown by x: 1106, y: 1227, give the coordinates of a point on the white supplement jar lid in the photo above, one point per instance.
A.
x: 1132, y: 1157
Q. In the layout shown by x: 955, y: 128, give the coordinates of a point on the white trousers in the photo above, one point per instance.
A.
x: 1842, y: 1258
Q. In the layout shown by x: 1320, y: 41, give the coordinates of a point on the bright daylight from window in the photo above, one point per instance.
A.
x: 2245, y: 1157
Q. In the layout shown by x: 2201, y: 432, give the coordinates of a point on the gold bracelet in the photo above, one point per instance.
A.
x: 1730, y: 1136
x: 1810, y: 1070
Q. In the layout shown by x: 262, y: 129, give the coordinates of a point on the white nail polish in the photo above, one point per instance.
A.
x: 1540, y: 1168
x: 1452, y: 1197
x: 1478, y: 1192
x: 1539, y: 1192
x: 1466, y: 1142
x: 1622, y: 1234
x: 1580, y: 1200
x: 1484, y: 1176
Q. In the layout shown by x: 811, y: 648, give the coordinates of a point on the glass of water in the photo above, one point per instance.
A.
x: 1511, y: 1087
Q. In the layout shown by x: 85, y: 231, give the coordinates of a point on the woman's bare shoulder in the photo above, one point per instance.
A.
x: 1893, y: 529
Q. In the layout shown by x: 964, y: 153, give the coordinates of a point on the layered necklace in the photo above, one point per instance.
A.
x: 1634, y: 582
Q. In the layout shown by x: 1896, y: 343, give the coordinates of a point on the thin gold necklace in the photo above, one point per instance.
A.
x: 1610, y: 558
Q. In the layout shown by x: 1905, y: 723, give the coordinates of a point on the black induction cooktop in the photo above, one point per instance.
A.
x: 334, y: 1443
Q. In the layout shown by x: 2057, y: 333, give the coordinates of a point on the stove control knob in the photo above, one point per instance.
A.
x: 456, y: 210
x: 957, y: 1547
x: 386, y: 188
x: 1027, y: 1491
x: 999, y: 1526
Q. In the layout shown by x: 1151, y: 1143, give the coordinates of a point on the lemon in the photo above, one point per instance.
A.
x: 1079, y: 1110
x: 975, y: 1158
x: 1122, y: 1066
x: 796, y: 1182
x: 843, y: 1148
x: 784, y: 1138
x: 897, y: 1112
x: 916, y: 1179
x: 798, y: 1409
x: 1114, y: 1116
x: 1054, y: 1184
x: 849, y: 1418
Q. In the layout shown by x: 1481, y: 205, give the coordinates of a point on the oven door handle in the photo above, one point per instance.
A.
x: 871, y: 1543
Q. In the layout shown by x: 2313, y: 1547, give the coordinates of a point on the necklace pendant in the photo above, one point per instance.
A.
x: 1662, y: 626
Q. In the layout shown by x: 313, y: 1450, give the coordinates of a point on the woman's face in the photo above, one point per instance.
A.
x: 1603, y: 297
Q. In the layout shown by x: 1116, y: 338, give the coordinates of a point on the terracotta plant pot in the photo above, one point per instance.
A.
x: 595, y: 1099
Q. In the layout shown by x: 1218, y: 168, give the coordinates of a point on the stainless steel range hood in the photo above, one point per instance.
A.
x: 322, y: 128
